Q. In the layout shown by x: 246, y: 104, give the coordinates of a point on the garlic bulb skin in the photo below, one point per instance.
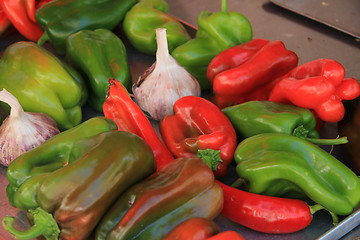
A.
x: 22, y: 131
x: 163, y: 83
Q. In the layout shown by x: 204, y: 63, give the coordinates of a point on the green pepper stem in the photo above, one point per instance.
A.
x: 302, y: 132
x: 44, y: 37
x: 210, y: 157
x: 224, y: 6
x: 44, y: 224
x: 239, y: 183
x: 317, y: 207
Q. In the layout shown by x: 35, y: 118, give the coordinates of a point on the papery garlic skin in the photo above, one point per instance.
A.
x: 157, y: 90
x: 22, y: 131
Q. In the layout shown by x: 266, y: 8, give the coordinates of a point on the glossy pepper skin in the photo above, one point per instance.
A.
x: 28, y: 70
x: 265, y: 214
x: 100, y: 169
x: 24, y: 174
x: 318, y: 85
x: 226, y: 235
x: 275, y: 164
x: 249, y: 72
x: 255, y: 117
x: 193, y: 229
x: 183, y: 189
x: 216, y: 32
x: 98, y: 54
x: 61, y: 18
x: 198, y: 124
x: 21, y: 14
x: 140, y: 24
x: 128, y: 116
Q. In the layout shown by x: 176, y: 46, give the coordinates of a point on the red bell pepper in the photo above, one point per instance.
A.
x: 128, y: 117
x: 318, y: 85
x: 266, y: 213
x: 227, y: 235
x: 21, y: 14
x: 5, y: 23
x: 195, y: 228
x: 248, y: 71
x: 200, y: 128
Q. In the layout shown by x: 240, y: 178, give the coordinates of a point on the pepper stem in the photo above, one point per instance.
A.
x: 44, y: 224
x: 44, y: 38
x: 210, y: 157
x: 317, y: 207
x: 224, y: 6
x: 302, y: 132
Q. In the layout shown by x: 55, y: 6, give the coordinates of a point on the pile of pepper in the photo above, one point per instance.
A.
x: 115, y: 176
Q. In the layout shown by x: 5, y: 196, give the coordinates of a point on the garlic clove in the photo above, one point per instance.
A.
x: 22, y: 131
x: 164, y: 82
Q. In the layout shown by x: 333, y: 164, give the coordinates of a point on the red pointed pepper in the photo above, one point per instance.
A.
x: 318, y: 85
x: 248, y: 71
x: 21, y: 14
x: 198, y: 127
x: 5, y: 23
x: 227, y: 235
x: 266, y: 213
x: 128, y: 117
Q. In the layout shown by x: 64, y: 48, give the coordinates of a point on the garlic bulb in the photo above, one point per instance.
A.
x: 22, y: 131
x: 164, y: 82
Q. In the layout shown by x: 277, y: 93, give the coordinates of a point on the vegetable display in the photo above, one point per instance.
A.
x: 144, y: 18
x: 100, y: 55
x: 216, y: 32
x: 249, y: 72
x: 61, y: 18
x: 102, y: 166
x: 199, y: 128
x: 28, y: 70
x: 183, y: 189
x: 158, y: 135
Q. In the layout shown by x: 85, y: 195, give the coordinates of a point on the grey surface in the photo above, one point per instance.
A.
x: 309, y: 39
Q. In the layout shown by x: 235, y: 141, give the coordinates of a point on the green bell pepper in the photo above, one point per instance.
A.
x: 141, y: 22
x: 99, y: 55
x: 216, y: 32
x: 81, y: 177
x: 181, y: 190
x: 255, y: 117
x: 277, y: 163
x: 61, y: 18
x: 43, y: 83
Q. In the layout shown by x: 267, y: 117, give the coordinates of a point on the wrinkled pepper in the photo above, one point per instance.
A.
x: 255, y: 117
x: 266, y: 214
x: 276, y: 164
x: 61, y: 18
x: 43, y: 83
x: 216, y: 32
x: 128, y: 116
x: 99, y: 55
x: 181, y: 190
x: 249, y: 72
x: 318, y: 85
x: 196, y: 228
x: 349, y: 126
x: 140, y: 24
x: 21, y: 14
x: 94, y: 172
x: 199, y: 128
x: 5, y: 24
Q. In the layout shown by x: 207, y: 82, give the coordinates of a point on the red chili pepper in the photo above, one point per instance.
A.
x: 227, y: 235
x: 21, y: 14
x: 266, y: 213
x: 198, y: 127
x: 193, y: 229
x: 318, y: 85
x: 127, y: 115
x: 5, y: 23
x: 249, y: 71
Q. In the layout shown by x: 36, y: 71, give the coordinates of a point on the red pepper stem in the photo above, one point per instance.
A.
x: 317, y: 207
x: 224, y: 6
x: 44, y: 224
x: 301, y: 132
x: 210, y: 157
